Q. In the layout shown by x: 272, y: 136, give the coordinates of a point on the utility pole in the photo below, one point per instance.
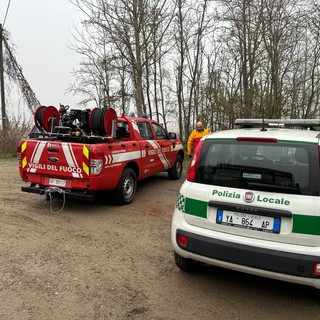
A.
x: 3, y: 102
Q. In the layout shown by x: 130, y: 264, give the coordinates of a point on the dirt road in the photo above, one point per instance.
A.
x: 101, y: 261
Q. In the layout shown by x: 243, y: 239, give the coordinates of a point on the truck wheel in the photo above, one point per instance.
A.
x: 186, y: 265
x: 175, y: 172
x: 127, y: 186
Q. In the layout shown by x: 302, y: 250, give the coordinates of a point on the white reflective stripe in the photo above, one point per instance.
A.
x: 37, y: 152
x: 161, y: 155
x: 126, y: 156
x: 164, y: 160
x: 68, y: 154
x: 73, y: 156
x: 154, y: 144
x: 72, y: 161
x: 108, y: 158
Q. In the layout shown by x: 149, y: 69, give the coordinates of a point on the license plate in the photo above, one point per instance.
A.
x: 57, y: 182
x: 248, y: 221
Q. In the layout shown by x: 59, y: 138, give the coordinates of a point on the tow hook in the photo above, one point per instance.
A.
x: 49, y: 193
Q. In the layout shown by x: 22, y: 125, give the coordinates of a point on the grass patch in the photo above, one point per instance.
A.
x: 186, y: 163
x: 9, y: 139
x: 8, y: 156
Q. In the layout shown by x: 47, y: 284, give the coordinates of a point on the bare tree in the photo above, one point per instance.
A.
x: 15, y: 73
x: 128, y: 27
x: 263, y: 39
x: 159, y: 46
x: 311, y: 84
x: 178, y: 31
x: 227, y: 58
x: 279, y: 32
x: 242, y: 25
x: 191, y: 25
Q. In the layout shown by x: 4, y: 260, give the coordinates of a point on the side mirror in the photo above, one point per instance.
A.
x: 172, y: 135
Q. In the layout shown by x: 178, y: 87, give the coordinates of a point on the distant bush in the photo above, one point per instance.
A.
x: 9, y: 140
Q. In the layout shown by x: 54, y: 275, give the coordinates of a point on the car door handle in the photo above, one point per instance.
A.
x: 147, y: 146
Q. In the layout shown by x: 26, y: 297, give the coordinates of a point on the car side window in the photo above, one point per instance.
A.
x: 123, y: 130
x: 160, y: 132
x: 145, y: 130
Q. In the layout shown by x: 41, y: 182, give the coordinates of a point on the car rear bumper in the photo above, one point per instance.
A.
x: 270, y: 260
x: 218, y: 249
x: 59, y: 193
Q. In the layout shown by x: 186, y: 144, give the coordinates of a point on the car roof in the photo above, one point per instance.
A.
x: 273, y: 133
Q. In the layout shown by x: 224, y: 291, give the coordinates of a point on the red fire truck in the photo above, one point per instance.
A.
x: 80, y: 152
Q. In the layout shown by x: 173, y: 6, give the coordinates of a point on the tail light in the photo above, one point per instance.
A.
x: 260, y: 139
x: 194, y: 162
x: 96, y: 162
x: 316, y: 268
x: 182, y: 240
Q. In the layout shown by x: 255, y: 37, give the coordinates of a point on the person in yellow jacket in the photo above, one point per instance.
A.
x: 195, y: 137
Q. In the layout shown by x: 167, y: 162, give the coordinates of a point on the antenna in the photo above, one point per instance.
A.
x: 263, y: 121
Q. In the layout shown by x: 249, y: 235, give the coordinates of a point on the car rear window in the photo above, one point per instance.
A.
x: 274, y: 167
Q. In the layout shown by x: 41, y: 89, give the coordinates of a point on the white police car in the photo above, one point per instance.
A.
x: 251, y: 202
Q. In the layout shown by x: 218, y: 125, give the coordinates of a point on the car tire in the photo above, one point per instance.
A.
x: 127, y: 186
x: 186, y: 265
x: 175, y: 172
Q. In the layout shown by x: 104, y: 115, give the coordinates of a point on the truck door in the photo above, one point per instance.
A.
x: 165, y: 155
x: 149, y: 159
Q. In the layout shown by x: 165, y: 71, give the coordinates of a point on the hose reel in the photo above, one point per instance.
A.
x: 99, y: 121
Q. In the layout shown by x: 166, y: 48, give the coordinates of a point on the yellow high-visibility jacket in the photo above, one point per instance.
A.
x: 194, y: 139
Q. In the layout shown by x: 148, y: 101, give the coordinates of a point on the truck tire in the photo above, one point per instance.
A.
x: 175, y: 172
x: 127, y: 186
x: 186, y: 265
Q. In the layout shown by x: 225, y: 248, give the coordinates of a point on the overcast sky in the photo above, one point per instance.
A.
x: 42, y: 31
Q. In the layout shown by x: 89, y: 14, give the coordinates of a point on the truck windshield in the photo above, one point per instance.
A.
x: 274, y: 167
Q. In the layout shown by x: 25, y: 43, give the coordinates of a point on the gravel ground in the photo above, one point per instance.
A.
x: 101, y: 261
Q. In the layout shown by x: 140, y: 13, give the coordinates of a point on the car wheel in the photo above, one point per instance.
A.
x: 187, y: 265
x: 175, y: 172
x: 127, y: 186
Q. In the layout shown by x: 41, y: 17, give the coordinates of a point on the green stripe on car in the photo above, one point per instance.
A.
x: 196, y: 207
x: 301, y: 223
x: 306, y: 224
